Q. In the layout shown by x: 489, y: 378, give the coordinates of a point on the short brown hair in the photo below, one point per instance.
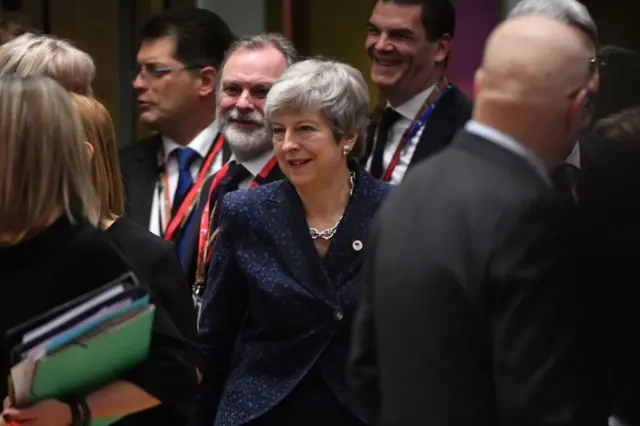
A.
x: 44, y: 166
x: 105, y: 168
x: 12, y: 25
x: 621, y: 127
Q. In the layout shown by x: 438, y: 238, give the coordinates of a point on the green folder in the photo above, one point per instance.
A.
x: 95, y: 360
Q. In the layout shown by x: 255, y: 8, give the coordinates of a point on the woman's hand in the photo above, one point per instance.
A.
x: 50, y: 412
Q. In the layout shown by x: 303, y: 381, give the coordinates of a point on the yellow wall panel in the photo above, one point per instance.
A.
x: 338, y: 29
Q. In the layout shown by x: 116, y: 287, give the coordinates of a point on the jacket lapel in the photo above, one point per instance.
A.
x: 442, y: 125
x: 297, y: 250
x: 144, y: 180
x: 345, y: 255
x: 294, y: 244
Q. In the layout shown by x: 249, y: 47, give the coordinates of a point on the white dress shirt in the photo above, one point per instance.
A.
x: 254, y: 167
x: 201, y: 144
x: 574, y: 157
x: 408, y: 112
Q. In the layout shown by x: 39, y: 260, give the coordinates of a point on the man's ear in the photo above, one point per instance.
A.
x: 90, y: 149
x: 208, y: 77
x: 478, y: 81
x: 443, y: 48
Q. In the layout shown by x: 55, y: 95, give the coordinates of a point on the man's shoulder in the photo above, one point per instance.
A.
x: 146, y: 146
x: 465, y: 181
x: 250, y: 199
x: 460, y: 102
x: 137, y: 242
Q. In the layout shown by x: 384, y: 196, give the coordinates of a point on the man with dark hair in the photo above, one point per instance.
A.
x: 619, y: 81
x: 470, y: 313
x: 178, y: 63
x: 12, y: 25
x: 408, y: 45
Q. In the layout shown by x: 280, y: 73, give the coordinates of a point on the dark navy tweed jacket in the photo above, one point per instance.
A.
x: 272, y: 307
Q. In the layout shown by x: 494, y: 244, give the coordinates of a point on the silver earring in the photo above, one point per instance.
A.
x: 346, y: 150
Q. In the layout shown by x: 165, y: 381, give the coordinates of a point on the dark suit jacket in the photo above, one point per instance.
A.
x: 140, y: 171
x: 190, y: 256
x: 450, y: 115
x: 290, y: 311
x: 68, y: 260
x: 610, y: 229
x: 590, y: 147
x: 155, y: 262
x: 470, y: 314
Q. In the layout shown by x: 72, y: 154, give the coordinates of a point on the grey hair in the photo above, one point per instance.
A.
x: 338, y: 90
x: 571, y: 12
x: 39, y: 54
x: 259, y: 42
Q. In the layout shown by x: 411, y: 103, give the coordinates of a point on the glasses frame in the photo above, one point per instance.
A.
x: 158, y: 72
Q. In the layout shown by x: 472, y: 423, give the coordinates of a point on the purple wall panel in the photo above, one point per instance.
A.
x: 474, y: 22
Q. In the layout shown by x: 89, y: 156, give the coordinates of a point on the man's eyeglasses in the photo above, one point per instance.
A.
x: 596, y: 64
x: 150, y: 72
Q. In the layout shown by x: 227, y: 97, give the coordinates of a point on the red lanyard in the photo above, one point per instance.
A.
x: 190, y: 200
x: 206, y: 237
x: 419, y: 121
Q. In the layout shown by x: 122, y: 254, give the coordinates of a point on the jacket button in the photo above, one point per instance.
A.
x: 338, y: 315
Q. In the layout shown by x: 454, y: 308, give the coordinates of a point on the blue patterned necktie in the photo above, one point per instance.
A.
x: 186, y: 157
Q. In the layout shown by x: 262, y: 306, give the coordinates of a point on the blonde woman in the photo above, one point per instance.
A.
x: 153, y: 259
x: 39, y: 54
x: 50, y: 250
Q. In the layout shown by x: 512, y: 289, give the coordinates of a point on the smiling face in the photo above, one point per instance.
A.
x: 306, y: 147
x: 402, y: 59
x: 246, y: 79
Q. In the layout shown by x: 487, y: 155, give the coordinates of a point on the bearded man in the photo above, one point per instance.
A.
x: 249, y: 68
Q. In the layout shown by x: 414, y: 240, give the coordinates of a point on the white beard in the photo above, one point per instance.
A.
x: 246, y: 144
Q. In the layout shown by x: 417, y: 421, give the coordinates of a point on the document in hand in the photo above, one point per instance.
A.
x: 82, y: 345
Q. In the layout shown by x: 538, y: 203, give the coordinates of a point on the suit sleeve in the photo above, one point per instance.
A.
x: 169, y: 373
x: 173, y: 293
x: 225, y: 303
x: 362, y: 365
x: 541, y: 366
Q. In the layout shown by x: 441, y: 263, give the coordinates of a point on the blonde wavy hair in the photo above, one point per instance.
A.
x: 44, y: 166
x: 38, y: 54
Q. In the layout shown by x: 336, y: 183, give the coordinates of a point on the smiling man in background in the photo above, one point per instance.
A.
x: 248, y: 70
x: 408, y: 45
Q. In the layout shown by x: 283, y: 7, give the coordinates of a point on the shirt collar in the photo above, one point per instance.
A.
x: 201, y: 143
x: 574, y: 158
x: 510, y: 144
x: 255, y: 165
x: 411, y: 108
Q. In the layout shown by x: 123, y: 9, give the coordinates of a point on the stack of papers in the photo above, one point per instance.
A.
x: 82, y: 345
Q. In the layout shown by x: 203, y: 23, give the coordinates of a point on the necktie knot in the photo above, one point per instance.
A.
x: 186, y: 157
x: 236, y: 174
x: 389, y: 117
